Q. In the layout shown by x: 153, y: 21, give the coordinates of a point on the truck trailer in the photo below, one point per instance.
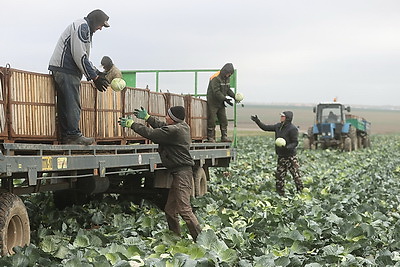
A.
x: 32, y: 160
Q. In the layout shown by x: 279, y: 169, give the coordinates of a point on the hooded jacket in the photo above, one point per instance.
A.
x: 71, y: 54
x: 287, y: 131
x: 219, y: 86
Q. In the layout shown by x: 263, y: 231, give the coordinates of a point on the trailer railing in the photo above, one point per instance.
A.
x: 131, y: 79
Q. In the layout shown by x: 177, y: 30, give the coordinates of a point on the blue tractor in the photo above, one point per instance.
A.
x: 335, y: 129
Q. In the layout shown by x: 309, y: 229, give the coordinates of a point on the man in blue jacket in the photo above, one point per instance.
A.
x: 287, y: 159
x: 69, y: 61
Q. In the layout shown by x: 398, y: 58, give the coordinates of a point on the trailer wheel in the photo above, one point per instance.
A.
x: 347, y: 144
x: 313, y: 141
x: 353, y: 137
x: 366, y: 142
x: 360, y: 142
x: 14, y: 223
x: 200, y: 182
x: 193, y: 193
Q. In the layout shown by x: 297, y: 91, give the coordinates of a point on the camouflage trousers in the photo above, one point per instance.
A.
x: 290, y: 163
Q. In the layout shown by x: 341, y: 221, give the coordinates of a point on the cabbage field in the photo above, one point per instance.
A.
x: 348, y: 215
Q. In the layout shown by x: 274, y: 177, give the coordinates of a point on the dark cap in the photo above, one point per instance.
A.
x: 107, y: 63
x: 98, y: 18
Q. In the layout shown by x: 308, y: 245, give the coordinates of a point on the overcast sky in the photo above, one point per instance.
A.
x: 293, y: 51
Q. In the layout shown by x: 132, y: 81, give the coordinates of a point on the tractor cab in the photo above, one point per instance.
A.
x: 333, y: 128
x: 330, y: 120
x: 330, y: 113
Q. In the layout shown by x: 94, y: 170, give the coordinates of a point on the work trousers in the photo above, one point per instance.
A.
x: 178, y: 202
x: 290, y: 163
x: 68, y: 103
x: 216, y: 112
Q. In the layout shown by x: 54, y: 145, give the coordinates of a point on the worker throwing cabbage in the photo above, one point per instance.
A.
x: 286, y: 141
x: 218, y: 90
x: 173, y: 139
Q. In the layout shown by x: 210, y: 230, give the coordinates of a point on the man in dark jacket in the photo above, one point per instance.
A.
x: 111, y: 71
x: 69, y: 61
x: 173, y: 139
x: 218, y: 90
x: 287, y: 159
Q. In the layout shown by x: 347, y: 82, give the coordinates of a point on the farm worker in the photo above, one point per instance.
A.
x: 173, y: 138
x: 217, y: 92
x: 111, y: 71
x: 286, y: 150
x: 69, y: 61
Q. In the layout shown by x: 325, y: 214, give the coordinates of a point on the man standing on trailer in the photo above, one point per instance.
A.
x: 69, y: 61
x: 173, y: 138
x: 111, y: 71
x: 218, y: 90
x: 286, y: 151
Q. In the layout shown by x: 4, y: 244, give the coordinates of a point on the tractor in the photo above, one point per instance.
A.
x: 334, y: 128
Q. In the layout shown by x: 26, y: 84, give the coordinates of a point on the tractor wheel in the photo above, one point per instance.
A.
x: 313, y: 146
x: 307, y: 143
x: 324, y: 145
x: 200, y: 181
x: 14, y: 223
x: 310, y: 132
x: 353, y: 137
x: 347, y: 144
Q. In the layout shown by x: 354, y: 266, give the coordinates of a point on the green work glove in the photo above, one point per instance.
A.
x: 126, y: 121
x: 141, y: 114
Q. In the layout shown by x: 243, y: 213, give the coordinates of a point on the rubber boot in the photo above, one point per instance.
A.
x: 211, y: 135
x: 224, y: 136
x: 78, y: 140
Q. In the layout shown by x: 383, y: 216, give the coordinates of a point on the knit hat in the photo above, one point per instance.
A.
x: 177, y: 113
